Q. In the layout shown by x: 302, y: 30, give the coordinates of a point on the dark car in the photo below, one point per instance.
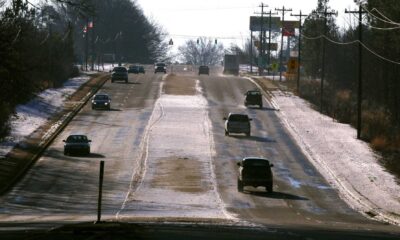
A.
x: 160, y: 67
x: 141, y: 70
x: 204, y: 70
x: 119, y: 73
x: 253, y: 97
x: 101, y: 101
x: 237, y: 123
x: 133, y: 69
x: 77, y: 144
x: 255, y: 172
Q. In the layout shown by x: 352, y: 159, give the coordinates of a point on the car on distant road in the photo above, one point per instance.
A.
x: 101, y: 101
x: 253, y: 97
x: 77, y: 144
x: 160, y: 67
x: 204, y: 70
x: 141, y: 70
x: 237, y: 123
x: 254, y: 171
x: 133, y: 69
x: 119, y: 73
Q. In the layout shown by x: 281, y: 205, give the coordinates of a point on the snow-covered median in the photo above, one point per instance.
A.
x: 347, y: 163
x: 30, y: 116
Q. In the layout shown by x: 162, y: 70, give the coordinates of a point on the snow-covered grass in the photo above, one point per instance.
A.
x: 346, y: 162
x: 30, y: 116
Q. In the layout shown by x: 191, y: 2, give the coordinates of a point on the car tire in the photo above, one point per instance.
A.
x: 261, y: 106
x: 240, y: 186
x: 226, y: 133
x: 248, y: 134
x: 269, y: 188
x: 66, y: 153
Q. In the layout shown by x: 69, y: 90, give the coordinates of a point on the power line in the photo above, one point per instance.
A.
x: 352, y: 42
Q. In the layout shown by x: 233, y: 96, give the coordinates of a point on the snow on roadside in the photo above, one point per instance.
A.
x: 30, y: 116
x: 347, y: 163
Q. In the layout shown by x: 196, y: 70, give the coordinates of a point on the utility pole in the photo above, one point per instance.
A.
x: 299, y: 53
x: 251, y: 52
x: 269, y: 38
x: 86, y: 43
x: 326, y: 14
x: 93, y: 44
x: 262, y: 39
x: 283, y: 10
x: 359, y: 92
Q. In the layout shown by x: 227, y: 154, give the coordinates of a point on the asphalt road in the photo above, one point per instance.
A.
x: 139, y: 165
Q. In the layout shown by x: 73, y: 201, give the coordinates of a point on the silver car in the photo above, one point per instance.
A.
x: 237, y: 123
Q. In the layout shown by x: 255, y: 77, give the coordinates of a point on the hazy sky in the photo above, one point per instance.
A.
x: 226, y: 20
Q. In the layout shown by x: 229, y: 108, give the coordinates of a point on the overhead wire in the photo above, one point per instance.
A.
x: 352, y: 42
x: 380, y: 19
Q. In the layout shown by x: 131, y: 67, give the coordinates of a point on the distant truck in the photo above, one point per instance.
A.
x: 231, y: 64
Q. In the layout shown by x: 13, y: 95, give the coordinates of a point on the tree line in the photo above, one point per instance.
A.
x: 41, y: 44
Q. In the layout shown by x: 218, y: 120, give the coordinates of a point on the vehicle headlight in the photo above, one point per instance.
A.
x: 92, y: 101
x: 106, y: 103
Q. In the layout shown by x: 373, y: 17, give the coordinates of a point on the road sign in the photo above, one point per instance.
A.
x: 292, y: 65
x: 274, y: 46
x: 255, y: 24
x: 288, y: 27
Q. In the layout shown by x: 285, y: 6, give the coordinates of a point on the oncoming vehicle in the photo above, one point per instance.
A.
x: 133, y: 69
x: 77, y: 144
x: 102, y: 101
x: 237, y: 123
x: 253, y: 97
x: 204, y: 70
x: 119, y: 73
x: 160, y: 67
x: 141, y: 70
x: 255, y: 172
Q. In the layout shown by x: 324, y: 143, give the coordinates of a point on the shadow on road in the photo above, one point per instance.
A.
x: 277, y: 195
x: 255, y: 138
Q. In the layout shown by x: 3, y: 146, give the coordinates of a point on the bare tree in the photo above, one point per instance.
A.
x: 203, y: 51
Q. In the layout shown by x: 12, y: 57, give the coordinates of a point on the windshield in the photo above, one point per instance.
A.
x: 238, y: 118
x: 119, y: 69
x: 137, y: 114
x: 77, y: 139
x: 101, y: 97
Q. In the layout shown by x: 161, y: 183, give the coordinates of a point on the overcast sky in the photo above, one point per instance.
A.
x: 226, y: 20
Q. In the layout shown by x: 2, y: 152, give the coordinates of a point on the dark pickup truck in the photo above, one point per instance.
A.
x: 253, y: 97
x: 255, y: 172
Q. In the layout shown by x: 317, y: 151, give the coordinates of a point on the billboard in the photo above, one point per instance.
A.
x: 257, y: 26
x: 288, y: 27
x: 273, y: 46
